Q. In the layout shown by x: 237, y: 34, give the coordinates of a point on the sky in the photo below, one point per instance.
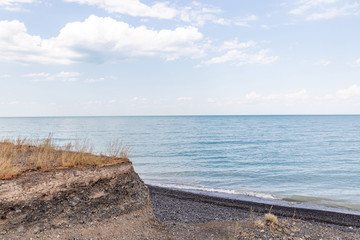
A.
x: 144, y: 57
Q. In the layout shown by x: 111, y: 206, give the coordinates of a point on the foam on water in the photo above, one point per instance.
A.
x: 213, y: 190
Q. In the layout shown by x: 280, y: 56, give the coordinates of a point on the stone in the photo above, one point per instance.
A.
x: 37, y: 229
x: 21, y: 229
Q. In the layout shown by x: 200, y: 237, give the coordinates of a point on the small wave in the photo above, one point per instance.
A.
x: 215, y: 190
x: 333, y: 203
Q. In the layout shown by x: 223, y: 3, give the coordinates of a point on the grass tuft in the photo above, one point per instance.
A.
x: 269, y: 227
x: 271, y: 218
x: 24, y: 154
x: 7, y: 169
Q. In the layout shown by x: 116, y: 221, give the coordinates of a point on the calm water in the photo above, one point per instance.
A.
x: 314, y: 159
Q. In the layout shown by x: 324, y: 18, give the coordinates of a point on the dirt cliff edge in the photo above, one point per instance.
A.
x: 43, y: 200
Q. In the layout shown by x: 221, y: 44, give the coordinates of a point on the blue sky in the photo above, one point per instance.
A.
x: 143, y: 57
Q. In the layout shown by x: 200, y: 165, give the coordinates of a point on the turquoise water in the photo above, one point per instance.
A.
x: 314, y: 159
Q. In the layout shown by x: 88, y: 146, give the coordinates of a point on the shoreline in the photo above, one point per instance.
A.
x: 264, y: 198
x: 173, y: 205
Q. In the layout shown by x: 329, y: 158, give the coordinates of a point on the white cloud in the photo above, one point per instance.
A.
x: 101, y: 39
x: 61, y: 76
x: 252, y: 96
x: 93, y: 102
x: 98, y: 40
x: 182, y: 99
x: 196, y: 13
x: 37, y: 75
x: 133, y: 8
x: 139, y: 99
x: 93, y: 80
x: 16, y: 45
x: 325, y: 9
x: 286, y: 99
x: 212, y: 100
x: 345, y: 100
x: 357, y: 62
x: 240, y: 57
x: 305, y: 5
x: 322, y: 62
x: 348, y: 9
x: 5, y: 76
x: 14, y: 103
x: 344, y: 96
x: 222, y: 21
x: 300, y: 95
x: 235, y: 44
x: 244, y: 22
x: 350, y: 92
x: 240, y: 53
x: 15, y: 5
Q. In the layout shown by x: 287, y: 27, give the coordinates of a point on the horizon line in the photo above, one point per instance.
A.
x: 184, y: 115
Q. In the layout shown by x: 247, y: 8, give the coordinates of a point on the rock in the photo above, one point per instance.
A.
x: 21, y: 229
x: 37, y: 229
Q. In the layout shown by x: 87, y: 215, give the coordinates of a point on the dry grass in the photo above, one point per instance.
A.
x: 23, y: 154
x: 271, y: 218
x: 269, y: 227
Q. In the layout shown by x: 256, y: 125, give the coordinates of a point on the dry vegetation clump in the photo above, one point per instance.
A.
x: 23, y: 154
x: 269, y: 227
x: 272, y: 223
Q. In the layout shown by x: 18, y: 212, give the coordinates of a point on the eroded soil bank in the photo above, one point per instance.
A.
x: 70, y: 196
